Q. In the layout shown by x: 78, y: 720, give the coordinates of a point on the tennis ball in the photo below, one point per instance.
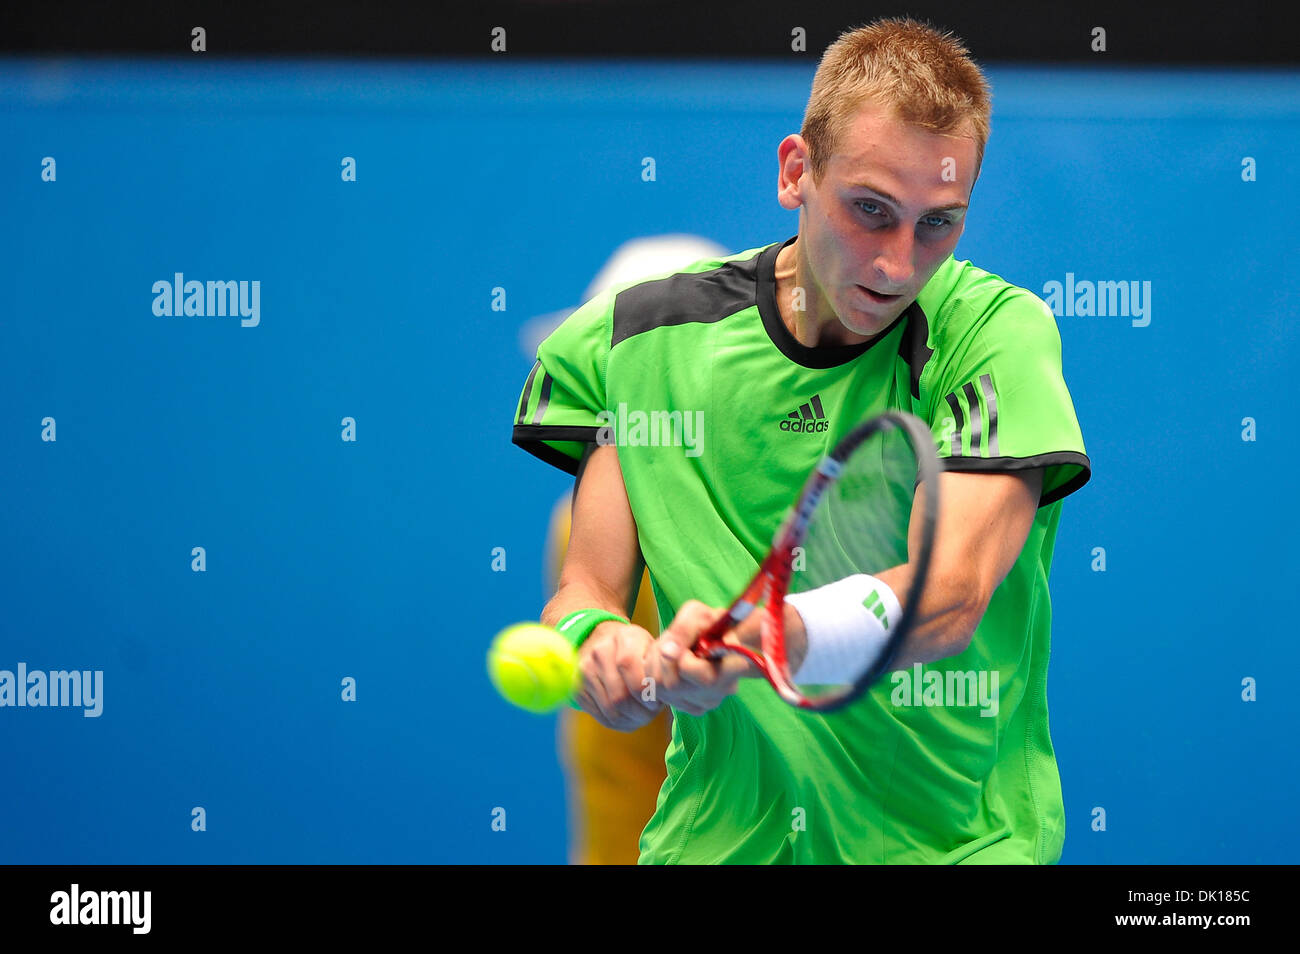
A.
x: 533, y: 666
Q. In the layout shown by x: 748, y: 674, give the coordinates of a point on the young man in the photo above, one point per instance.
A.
x: 865, y: 310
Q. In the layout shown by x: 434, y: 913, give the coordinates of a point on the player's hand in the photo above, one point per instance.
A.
x: 684, y: 680
x: 613, y: 676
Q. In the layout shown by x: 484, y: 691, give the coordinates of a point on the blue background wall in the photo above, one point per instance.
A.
x: 372, y: 559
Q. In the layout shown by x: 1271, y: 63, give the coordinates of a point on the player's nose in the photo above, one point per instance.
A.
x: 893, y: 261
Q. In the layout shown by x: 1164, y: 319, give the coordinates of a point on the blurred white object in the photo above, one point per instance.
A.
x: 635, y: 258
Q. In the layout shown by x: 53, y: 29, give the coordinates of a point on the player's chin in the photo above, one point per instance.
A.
x: 867, y: 322
x: 867, y: 326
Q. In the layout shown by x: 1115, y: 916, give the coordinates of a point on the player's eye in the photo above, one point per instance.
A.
x: 868, y: 207
x: 937, y: 221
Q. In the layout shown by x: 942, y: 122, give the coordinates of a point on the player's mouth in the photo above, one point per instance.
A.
x: 877, y: 297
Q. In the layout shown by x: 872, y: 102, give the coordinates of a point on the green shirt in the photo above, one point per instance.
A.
x: 719, y: 415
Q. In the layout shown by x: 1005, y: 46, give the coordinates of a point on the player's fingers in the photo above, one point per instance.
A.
x: 670, y: 689
x: 666, y: 684
x: 605, y: 657
x: 697, y: 673
x: 594, y: 701
x: 698, y: 692
x: 723, y: 675
x: 629, y: 657
x: 667, y: 662
x: 599, y: 666
x: 661, y: 673
x: 749, y: 632
x: 692, y: 619
x: 592, y: 697
x: 679, y: 636
x: 731, y: 669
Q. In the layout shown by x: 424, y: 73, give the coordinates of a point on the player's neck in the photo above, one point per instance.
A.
x: 804, y: 311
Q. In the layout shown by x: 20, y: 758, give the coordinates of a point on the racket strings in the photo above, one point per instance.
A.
x: 860, y: 526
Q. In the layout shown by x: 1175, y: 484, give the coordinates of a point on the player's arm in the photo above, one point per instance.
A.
x: 1013, y: 363
x: 984, y: 520
x: 602, y: 570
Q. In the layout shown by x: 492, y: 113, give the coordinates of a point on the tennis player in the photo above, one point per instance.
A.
x: 692, y: 406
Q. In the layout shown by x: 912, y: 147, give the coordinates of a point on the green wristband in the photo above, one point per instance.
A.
x: 578, y: 625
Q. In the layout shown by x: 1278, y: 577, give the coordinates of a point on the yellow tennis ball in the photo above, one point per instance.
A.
x: 533, y: 666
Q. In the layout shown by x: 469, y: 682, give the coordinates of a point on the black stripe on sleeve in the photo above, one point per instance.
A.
x: 958, y: 425
x: 547, y: 381
x: 991, y: 402
x: 973, y: 404
x: 528, y: 393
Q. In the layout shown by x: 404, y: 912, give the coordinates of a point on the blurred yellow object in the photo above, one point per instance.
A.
x: 613, y: 777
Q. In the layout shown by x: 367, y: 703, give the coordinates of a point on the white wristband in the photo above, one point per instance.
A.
x: 847, y: 623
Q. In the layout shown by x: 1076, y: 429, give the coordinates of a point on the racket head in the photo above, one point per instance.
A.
x: 871, y: 505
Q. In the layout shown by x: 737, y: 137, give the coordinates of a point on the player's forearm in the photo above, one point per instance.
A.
x: 603, y: 565
x: 983, y: 524
x: 949, y: 611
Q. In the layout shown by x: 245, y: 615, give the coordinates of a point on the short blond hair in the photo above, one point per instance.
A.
x: 926, y: 77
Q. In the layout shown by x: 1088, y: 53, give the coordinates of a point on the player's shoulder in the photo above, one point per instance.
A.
x: 962, y: 300
x: 703, y: 291
x: 707, y: 290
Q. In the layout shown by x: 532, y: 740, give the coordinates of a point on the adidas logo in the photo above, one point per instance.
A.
x: 808, y: 419
x: 877, y: 607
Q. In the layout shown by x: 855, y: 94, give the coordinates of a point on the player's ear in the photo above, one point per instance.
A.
x: 792, y: 158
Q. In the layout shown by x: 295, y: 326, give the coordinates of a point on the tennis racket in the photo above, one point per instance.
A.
x: 855, y: 514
